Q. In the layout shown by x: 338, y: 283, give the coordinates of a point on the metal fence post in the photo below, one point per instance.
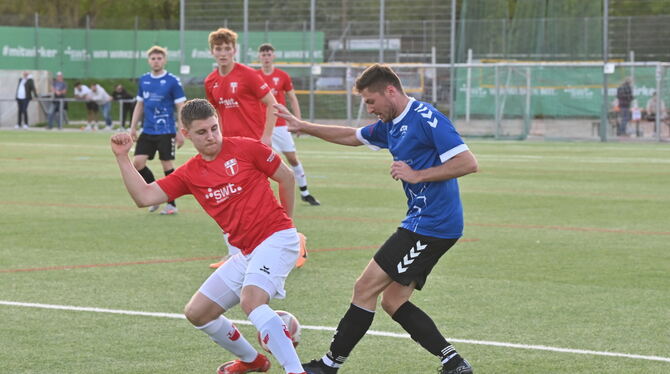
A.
x: 347, y: 83
x: 605, y: 107
x: 37, y: 41
x: 526, y: 114
x: 497, y: 102
x: 381, y: 30
x: 659, y: 98
x: 312, y: 21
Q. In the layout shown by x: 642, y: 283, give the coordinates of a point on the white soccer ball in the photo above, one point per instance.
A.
x: 292, y: 329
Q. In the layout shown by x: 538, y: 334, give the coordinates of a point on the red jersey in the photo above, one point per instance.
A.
x: 237, y: 99
x: 234, y: 190
x: 280, y: 83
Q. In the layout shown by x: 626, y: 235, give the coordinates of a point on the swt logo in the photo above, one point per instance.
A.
x: 223, y: 193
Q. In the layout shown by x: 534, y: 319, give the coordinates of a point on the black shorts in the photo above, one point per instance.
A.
x: 92, y: 106
x: 149, y: 144
x: 409, y: 257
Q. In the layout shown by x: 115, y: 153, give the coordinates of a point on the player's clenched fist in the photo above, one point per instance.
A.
x: 121, y: 143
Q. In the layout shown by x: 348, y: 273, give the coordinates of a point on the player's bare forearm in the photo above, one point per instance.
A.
x: 268, y: 100
x: 286, y: 181
x: 179, y: 137
x: 295, y: 104
x: 143, y: 194
x: 138, y: 112
x: 331, y: 133
x: 462, y: 164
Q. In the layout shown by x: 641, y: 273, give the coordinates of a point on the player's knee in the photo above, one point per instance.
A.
x: 197, y: 316
x: 364, y: 289
x: 139, y: 164
x: 391, y: 303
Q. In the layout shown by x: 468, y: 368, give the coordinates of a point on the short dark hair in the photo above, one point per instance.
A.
x: 376, y: 78
x: 196, y: 109
x: 266, y: 47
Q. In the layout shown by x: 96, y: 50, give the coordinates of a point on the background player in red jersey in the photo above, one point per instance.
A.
x: 281, y: 87
x: 242, y: 99
x: 229, y: 178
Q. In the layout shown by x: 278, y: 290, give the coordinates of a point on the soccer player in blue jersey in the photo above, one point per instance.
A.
x: 159, y: 93
x: 428, y: 156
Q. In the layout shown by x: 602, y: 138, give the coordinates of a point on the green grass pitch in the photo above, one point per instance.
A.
x: 566, y: 246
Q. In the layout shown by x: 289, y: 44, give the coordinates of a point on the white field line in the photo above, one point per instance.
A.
x: 326, y: 328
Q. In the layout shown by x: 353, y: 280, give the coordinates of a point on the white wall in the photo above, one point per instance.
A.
x: 9, y: 80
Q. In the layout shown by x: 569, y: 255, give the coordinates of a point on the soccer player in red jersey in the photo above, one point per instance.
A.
x: 281, y: 87
x: 242, y: 99
x: 229, y: 178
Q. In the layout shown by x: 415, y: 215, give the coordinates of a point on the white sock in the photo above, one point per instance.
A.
x: 300, y: 179
x: 272, y: 328
x: 224, y: 333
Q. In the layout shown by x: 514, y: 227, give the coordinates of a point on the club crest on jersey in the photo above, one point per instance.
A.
x: 146, y: 94
x: 216, y: 85
x: 275, y: 80
x: 233, y: 86
x: 231, y: 167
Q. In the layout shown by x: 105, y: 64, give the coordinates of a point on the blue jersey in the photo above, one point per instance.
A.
x: 422, y: 137
x: 159, y: 94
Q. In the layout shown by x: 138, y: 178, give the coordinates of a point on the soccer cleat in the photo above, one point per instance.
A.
x: 318, y: 367
x: 259, y: 365
x: 154, y: 208
x: 217, y: 265
x: 25, y: 127
x: 463, y: 367
x: 311, y: 200
x: 169, y: 209
x: 302, y: 257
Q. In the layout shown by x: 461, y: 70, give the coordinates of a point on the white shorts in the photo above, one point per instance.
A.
x: 282, y: 141
x: 266, y: 267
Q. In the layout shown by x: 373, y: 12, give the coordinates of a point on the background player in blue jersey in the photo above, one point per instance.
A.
x: 159, y: 93
x: 428, y: 156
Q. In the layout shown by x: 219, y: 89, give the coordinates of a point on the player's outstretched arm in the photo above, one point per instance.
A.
x: 138, y: 113
x: 179, y: 138
x: 142, y: 193
x: 268, y: 100
x: 462, y: 164
x: 284, y: 177
x: 331, y: 133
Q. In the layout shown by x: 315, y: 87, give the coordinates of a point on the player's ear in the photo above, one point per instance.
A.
x: 185, y: 132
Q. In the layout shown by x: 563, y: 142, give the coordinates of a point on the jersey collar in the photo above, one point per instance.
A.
x: 158, y: 76
x: 404, y: 112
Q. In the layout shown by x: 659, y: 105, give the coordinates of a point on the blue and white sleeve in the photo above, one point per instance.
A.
x: 374, y: 136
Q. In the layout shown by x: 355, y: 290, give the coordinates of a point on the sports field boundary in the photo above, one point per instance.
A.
x: 332, y: 329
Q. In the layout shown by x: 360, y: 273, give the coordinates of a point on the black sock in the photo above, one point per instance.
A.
x: 350, y: 330
x: 147, y: 175
x: 168, y: 172
x: 422, y: 330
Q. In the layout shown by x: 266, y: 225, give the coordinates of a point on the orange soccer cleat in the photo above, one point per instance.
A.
x: 302, y: 258
x: 260, y: 365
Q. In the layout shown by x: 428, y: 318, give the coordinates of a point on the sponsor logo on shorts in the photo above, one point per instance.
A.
x: 413, y: 253
x: 265, y: 269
